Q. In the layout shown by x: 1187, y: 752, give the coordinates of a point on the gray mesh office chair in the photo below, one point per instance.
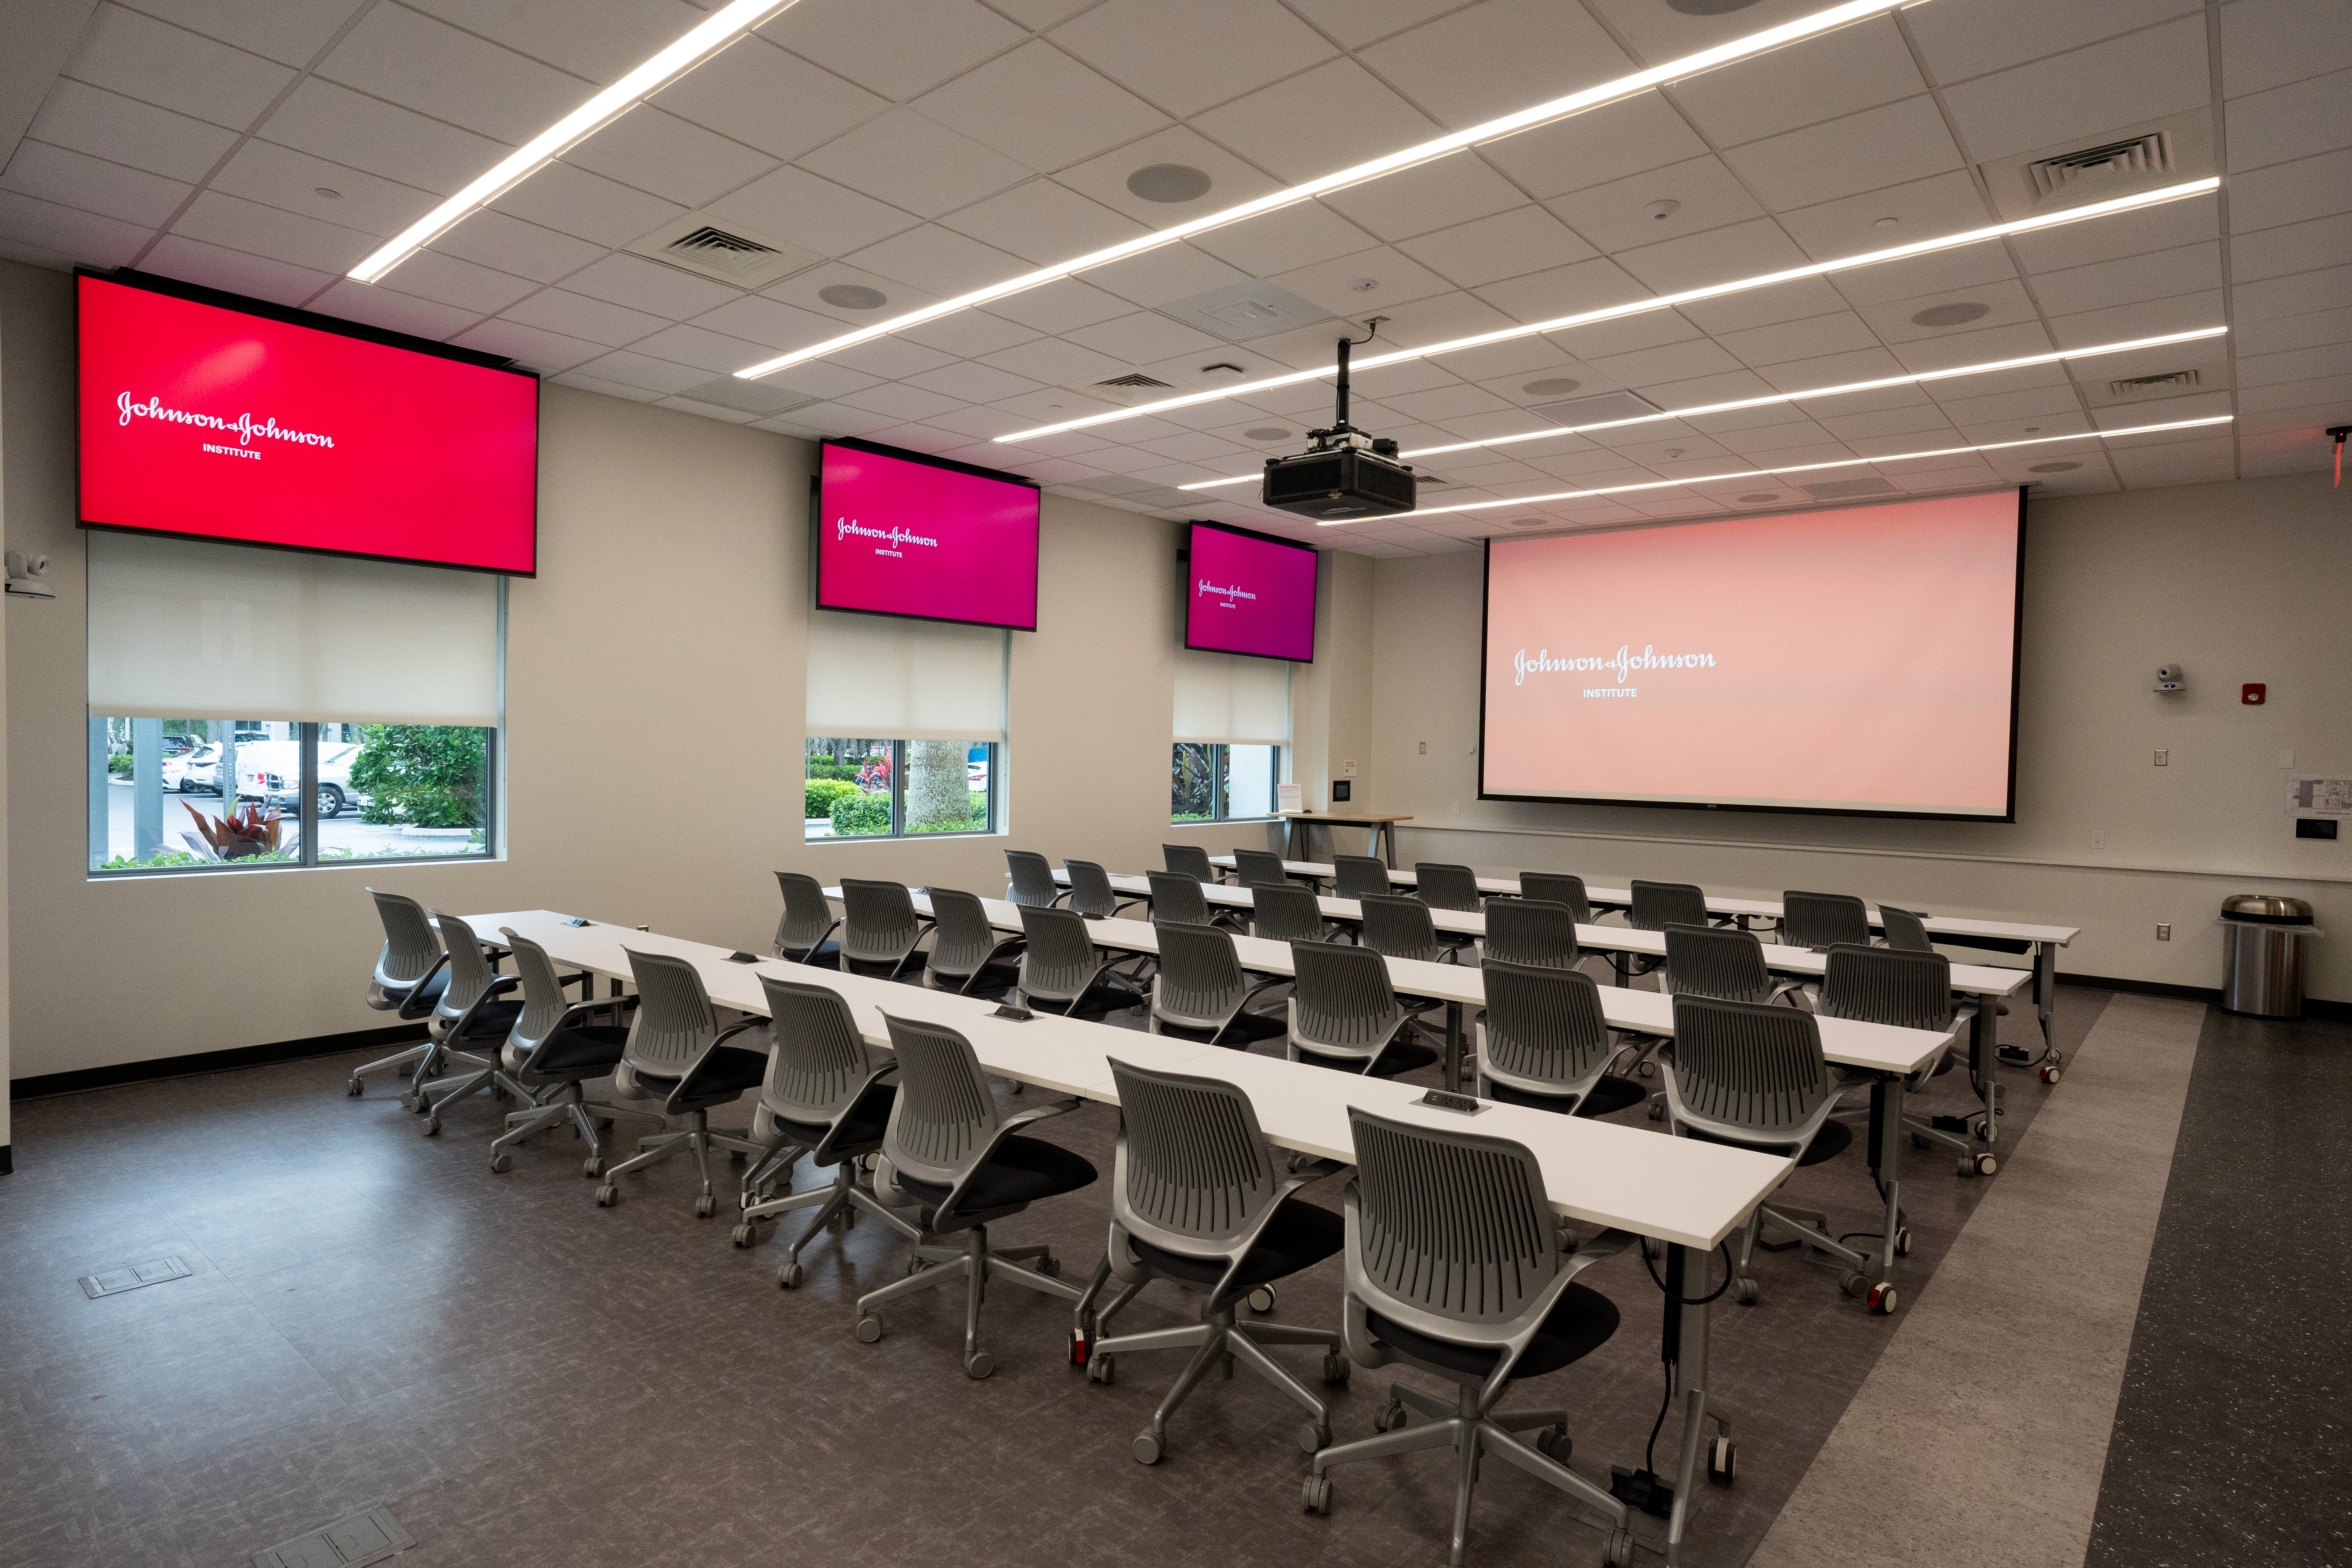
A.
x: 1344, y: 1014
x: 1707, y: 961
x: 1543, y: 1042
x: 805, y: 935
x: 879, y: 929
x: 1395, y: 926
x: 1091, y: 893
x: 554, y: 1049
x: 1654, y: 906
x: 1190, y: 860
x: 1063, y: 972
x: 821, y: 1097
x: 1287, y: 912
x: 1557, y: 888
x: 967, y: 954
x: 964, y: 1165
x: 1471, y: 1291
x: 1259, y: 867
x: 1821, y: 920
x: 677, y: 1057
x: 1906, y: 930
x: 1752, y: 1075
x: 1176, y: 899
x: 1201, y: 992
x: 1360, y: 877
x: 1030, y: 879
x: 1194, y: 1199
x: 470, y: 1020
x: 1444, y: 885
x: 409, y: 976
x: 1909, y: 991
x: 1529, y: 930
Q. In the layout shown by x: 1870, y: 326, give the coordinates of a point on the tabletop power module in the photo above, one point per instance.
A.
x: 1346, y: 475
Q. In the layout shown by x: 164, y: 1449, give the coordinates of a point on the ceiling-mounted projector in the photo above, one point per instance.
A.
x: 1346, y: 475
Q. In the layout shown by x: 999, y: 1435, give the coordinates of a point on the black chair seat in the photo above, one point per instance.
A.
x: 1019, y: 1172
x: 1611, y: 1095
x: 1300, y: 1235
x: 419, y: 999
x: 1401, y: 1056
x: 1828, y: 1143
x: 726, y: 1073
x: 490, y: 1020
x: 1108, y: 994
x: 1243, y: 1030
x: 860, y: 1132
x: 994, y: 980
x: 589, y: 1050
x: 1578, y: 1325
x: 826, y: 955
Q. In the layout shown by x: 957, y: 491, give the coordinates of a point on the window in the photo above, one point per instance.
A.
x: 889, y: 789
x: 1210, y: 781
x: 373, y: 688
x: 929, y: 698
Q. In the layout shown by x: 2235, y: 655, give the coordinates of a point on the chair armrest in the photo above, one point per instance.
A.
x: 1059, y: 1107
x: 595, y: 1004
x: 1606, y: 1244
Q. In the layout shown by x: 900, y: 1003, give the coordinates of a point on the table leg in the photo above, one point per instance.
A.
x: 1687, y: 1346
x: 2045, y: 985
x: 1984, y: 1030
x: 1386, y: 830
x: 1453, y: 1047
x: 1886, y: 1162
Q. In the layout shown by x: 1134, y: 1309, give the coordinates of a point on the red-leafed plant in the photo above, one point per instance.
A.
x: 241, y: 833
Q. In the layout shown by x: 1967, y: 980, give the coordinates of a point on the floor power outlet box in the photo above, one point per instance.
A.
x: 1652, y: 1494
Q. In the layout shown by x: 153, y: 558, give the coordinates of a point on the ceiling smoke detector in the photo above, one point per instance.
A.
x: 1659, y: 211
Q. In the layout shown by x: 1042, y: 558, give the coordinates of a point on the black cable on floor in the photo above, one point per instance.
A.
x: 1650, y: 1454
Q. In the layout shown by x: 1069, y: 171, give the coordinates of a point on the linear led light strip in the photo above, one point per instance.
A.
x: 1641, y: 307
x: 1493, y: 130
x: 714, y: 33
x: 1879, y: 386
x: 1791, y: 468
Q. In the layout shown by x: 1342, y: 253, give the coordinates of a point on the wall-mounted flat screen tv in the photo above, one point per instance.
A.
x: 1249, y: 592
x: 1861, y: 661
x: 903, y: 534
x: 212, y: 418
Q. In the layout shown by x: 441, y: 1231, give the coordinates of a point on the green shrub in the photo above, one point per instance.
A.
x: 858, y: 814
x: 822, y: 793
x: 427, y: 775
x: 118, y: 764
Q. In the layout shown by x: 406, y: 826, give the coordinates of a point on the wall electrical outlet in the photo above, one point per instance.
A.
x: 2163, y: 932
x: 2163, y: 758
x: 2098, y: 841
x: 1425, y: 748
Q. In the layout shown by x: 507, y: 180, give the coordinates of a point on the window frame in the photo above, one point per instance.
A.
x: 897, y: 755
x: 1221, y: 763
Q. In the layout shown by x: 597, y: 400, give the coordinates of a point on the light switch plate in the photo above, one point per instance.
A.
x: 2163, y: 932
x: 2163, y: 758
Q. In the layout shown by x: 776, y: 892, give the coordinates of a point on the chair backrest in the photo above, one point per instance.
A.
x: 675, y: 1023
x: 1714, y: 961
x: 808, y: 918
x: 1259, y: 867
x: 1176, y: 898
x: 1399, y: 927
x: 1090, y: 889
x: 1342, y: 1003
x: 1748, y: 1066
x: 543, y: 1002
x: 943, y: 1118
x: 1557, y: 888
x: 1360, y: 877
x: 878, y: 921
x: 820, y: 1061
x: 1444, y: 885
x: 1426, y: 1256
x: 1201, y: 984
x: 470, y: 974
x: 1888, y: 985
x: 1529, y: 930
x: 1285, y: 911
x: 1821, y: 920
x: 1189, y: 860
x: 1657, y: 905
x: 962, y: 938
x: 1032, y: 878
x: 1192, y: 1164
x: 1544, y: 1029
x: 1059, y: 962
x: 1904, y: 930
x: 410, y: 946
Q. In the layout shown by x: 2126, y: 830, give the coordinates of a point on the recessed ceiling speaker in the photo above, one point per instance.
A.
x: 1953, y: 315
x: 1531, y: 523
x: 1708, y: 7
x: 1759, y: 497
x: 1551, y: 386
x: 1268, y: 433
x: 2053, y: 467
x: 1169, y: 183
x: 853, y: 297
x: 328, y: 192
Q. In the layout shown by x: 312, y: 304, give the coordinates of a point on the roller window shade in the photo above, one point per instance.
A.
x: 1225, y: 697
x: 181, y: 627
x: 886, y: 678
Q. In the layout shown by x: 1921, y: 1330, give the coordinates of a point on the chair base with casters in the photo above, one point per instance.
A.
x: 938, y: 1260
x: 695, y: 1138
x: 1808, y: 1229
x: 566, y: 1102
x: 840, y: 1199
x: 433, y: 1098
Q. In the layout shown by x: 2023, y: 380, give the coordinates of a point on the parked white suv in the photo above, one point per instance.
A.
x: 270, y: 771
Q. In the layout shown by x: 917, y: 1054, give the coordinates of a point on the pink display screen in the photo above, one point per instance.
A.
x: 901, y: 535
x: 203, y: 420
x: 1861, y: 660
x: 1249, y: 594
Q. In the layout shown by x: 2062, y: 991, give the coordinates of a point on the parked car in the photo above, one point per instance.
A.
x: 177, y: 745
x: 270, y: 771
x: 193, y: 772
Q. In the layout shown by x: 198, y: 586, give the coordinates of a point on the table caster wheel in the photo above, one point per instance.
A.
x: 1648, y: 1069
x: 1743, y: 1292
x: 1722, y: 1462
x: 1658, y: 1110
x: 1102, y: 1369
x: 1262, y: 1299
x: 1854, y: 1284
x: 607, y: 1196
x: 705, y: 1206
x: 592, y: 1166
x: 355, y: 1088
x: 789, y: 1276
x: 1986, y: 1165
x: 1389, y: 1417
x: 501, y: 1163
x: 1313, y: 1436
x: 916, y: 1265
x: 1903, y: 1241
x: 1049, y: 1265
x: 412, y: 1102
x: 1554, y: 1443
x: 1317, y: 1494
x: 1619, y: 1552
x: 745, y: 1235
x: 432, y: 1127
x: 978, y: 1365
x: 869, y: 1329
x: 1148, y: 1448
x: 1336, y: 1366
x: 2050, y: 1073
x: 1881, y: 1299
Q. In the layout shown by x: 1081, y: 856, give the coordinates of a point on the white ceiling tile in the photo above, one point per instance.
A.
x: 806, y: 291
x: 578, y: 315
x: 649, y: 285
x: 124, y: 130
x: 2335, y: 390
x: 1434, y: 195
x: 241, y: 224
x: 668, y: 157
x: 770, y: 323
x: 1834, y: 370
x: 708, y: 410
x: 901, y: 401
x: 352, y: 301
x: 193, y: 261
x: 998, y: 105
x: 1284, y: 240
x: 940, y: 260
x: 2153, y: 275
x: 888, y: 359
x: 2125, y: 233
x: 913, y: 163
x: 282, y: 177
x: 1941, y: 204
x: 2144, y: 319
x: 2291, y: 121
x: 2296, y: 332
x: 1700, y: 391
x: 2288, y: 193
x: 981, y: 424
x: 969, y: 334
x: 598, y: 40
x: 2295, y: 365
x: 67, y: 233
x: 927, y: 40
x: 1909, y: 423
x: 2280, y: 41
x: 1853, y: 68
x: 1792, y: 301
x: 541, y: 351
x: 432, y: 276
x: 645, y: 371
x: 714, y: 352
x: 1055, y: 361
x: 1807, y: 339
x: 141, y: 58
x: 349, y: 128
x: 1331, y: 118
x: 1520, y: 357
x: 840, y: 419
x: 424, y: 64
x: 290, y: 35
x: 1163, y: 276
x: 511, y: 245
x: 1338, y: 286
x: 794, y: 205
x: 1615, y: 217
x: 1186, y: 58
x: 816, y: 378
x: 1450, y: 402
x: 1564, y: 290
x: 1719, y: 256
x: 1231, y: 180
x: 1044, y: 222
x: 1626, y: 335
x: 1498, y: 57
x: 1935, y: 273
x: 572, y: 201
x: 2291, y: 296
x: 767, y: 97
x: 1967, y: 41
x: 1060, y: 306
x: 1509, y: 244
x: 1866, y: 151
x: 2275, y: 252
x: 2016, y: 340
x: 76, y: 180
x: 1597, y: 147
x: 1676, y: 361
x: 970, y: 382
x: 2087, y: 93
x: 1195, y: 447
x: 2006, y: 302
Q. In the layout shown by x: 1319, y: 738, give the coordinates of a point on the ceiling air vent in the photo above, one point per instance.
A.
x: 1602, y: 408
x: 1136, y: 379
x: 2112, y: 161
x: 692, y: 244
x: 1428, y: 481
x: 1133, y: 388
x: 2153, y: 385
x: 715, y: 251
x: 1846, y: 489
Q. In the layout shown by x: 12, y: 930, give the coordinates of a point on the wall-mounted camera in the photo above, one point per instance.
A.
x: 2169, y: 678
x: 29, y: 575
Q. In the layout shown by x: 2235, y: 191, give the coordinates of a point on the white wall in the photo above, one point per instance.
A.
x: 2235, y: 583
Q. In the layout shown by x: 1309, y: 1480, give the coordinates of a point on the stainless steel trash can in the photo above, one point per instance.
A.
x: 2265, y: 936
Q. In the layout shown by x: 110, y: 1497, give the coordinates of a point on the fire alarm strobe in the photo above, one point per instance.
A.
x: 2253, y: 693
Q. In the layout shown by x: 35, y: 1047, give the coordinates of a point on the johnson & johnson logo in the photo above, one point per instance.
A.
x: 248, y: 428
x: 1209, y: 589
x: 844, y: 527
x: 1624, y: 660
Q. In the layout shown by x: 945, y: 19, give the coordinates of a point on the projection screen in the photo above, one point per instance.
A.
x: 1860, y: 662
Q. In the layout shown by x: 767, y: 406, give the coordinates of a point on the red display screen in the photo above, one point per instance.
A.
x: 901, y: 534
x: 202, y: 420
x: 1250, y: 593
